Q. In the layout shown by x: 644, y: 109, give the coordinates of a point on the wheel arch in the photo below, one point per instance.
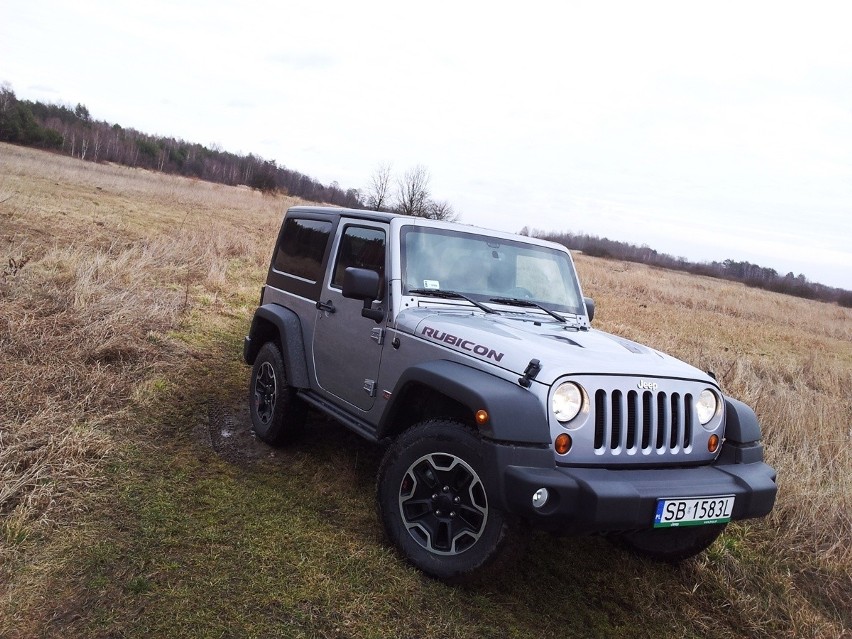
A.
x: 418, y: 402
x: 276, y: 323
x: 445, y: 389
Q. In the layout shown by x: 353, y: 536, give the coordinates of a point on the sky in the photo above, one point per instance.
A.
x: 704, y: 130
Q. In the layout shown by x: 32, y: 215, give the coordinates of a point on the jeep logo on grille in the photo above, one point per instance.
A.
x: 651, y: 386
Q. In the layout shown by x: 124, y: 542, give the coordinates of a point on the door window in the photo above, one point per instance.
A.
x: 361, y: 247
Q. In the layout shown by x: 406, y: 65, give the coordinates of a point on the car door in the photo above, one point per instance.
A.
x: 347, y: 347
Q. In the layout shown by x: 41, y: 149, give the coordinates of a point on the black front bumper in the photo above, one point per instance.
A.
x: 596, y: 500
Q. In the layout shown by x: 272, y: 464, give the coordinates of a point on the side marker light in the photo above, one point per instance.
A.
x: 563, y: 443
x: 713, y: 443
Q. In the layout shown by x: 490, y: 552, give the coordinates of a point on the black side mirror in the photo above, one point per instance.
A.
x: 590, y: 308
x: 363, y: 284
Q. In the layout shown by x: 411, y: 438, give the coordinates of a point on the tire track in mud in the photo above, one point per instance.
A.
x: 230, y: 436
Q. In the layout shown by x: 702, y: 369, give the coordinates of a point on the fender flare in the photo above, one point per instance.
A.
x: 515, y: 414
x: 289, y: 333
x: 740, y: 422
x: 742, y: 435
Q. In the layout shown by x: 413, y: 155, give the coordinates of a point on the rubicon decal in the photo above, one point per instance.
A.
x: 462, y: 343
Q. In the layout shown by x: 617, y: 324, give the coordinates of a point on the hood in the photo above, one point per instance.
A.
x: 510, y: 340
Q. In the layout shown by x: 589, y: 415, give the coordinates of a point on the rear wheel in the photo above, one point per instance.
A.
x: 672, y: 545
x: 277, y: 414
x: 437, y: 504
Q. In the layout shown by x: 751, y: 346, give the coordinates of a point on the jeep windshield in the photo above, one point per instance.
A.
x: 488, y: 269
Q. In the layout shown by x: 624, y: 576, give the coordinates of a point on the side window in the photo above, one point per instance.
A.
x: 302, y: 247
x: 361, y: 247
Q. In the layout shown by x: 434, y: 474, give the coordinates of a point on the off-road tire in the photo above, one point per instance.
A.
x: 438, y: 503
x: 672, y: 545
x: 277, y: 414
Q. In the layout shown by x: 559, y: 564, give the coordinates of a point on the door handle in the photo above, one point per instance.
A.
x: 328, y: 307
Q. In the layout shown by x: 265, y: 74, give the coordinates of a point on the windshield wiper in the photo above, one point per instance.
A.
x: 514, y: 301
x: 437, y: 292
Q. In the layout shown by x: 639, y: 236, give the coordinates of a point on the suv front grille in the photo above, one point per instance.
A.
x: 644, y: 422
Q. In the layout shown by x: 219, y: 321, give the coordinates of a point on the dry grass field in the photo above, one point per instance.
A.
x: 124, y: 296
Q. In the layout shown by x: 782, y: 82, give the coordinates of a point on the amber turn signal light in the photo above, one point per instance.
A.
x: 563, y: 443
x: 713, y: 443
x: 481, y: 417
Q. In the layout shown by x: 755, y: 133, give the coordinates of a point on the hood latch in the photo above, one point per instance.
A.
x: 533, y: 369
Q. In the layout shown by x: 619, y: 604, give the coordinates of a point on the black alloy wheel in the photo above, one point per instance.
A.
x: 438, y: 503
x: 277, y: 414
x: 443, y: 503
x: 265, y: 392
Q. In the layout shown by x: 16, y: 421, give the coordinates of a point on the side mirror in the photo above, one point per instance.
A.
x: 590, y: 308
x: 363, y: 284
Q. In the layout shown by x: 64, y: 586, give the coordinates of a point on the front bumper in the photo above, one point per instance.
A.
x: 598, y: 500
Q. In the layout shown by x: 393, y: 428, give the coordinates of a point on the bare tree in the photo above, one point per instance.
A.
x: 97, y: 142
x: 413, y: 192
x: 7, y: 98
x: 378, y: 191
x: 442, y: 210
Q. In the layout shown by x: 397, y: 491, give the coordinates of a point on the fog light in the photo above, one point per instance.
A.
x: 540, y: 497
x: 563, y: 443
x: 713, y: 443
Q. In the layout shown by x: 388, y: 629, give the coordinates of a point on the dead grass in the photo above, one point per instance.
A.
x: 101, y: 264
x: 791, y: 360
x: 788, y: 358
x: 112, y: 281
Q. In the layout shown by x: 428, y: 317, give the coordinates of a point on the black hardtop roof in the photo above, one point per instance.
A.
x: 333, y: 211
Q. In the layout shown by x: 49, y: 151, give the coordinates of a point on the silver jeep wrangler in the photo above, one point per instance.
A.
x: 469, y: 354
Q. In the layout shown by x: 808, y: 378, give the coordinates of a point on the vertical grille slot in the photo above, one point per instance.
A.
x: 662, y: 420
x: 687, y: 425
x: 632, y: 398
x: 615, y: 421
x: 601, y: 418
x: 648, y: 419
x: 676, y: 421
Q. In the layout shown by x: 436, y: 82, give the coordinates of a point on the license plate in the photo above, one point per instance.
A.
x: 694, y: 511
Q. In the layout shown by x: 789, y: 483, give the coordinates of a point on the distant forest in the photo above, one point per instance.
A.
x: 745, y: 272
x: 73, y: 131
x: 61, y: 128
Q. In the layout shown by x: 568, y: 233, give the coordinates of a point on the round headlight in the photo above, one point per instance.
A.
x: 567, y: 401
x: 706, y: 406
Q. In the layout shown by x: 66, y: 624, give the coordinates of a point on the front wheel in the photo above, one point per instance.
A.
x: 438, y: 506
x: 672, y: 545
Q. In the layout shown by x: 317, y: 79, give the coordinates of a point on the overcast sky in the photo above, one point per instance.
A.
x: 709, y: 130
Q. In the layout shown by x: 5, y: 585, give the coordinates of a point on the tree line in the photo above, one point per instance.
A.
x: 73, y: 131
x: 745, y: 272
